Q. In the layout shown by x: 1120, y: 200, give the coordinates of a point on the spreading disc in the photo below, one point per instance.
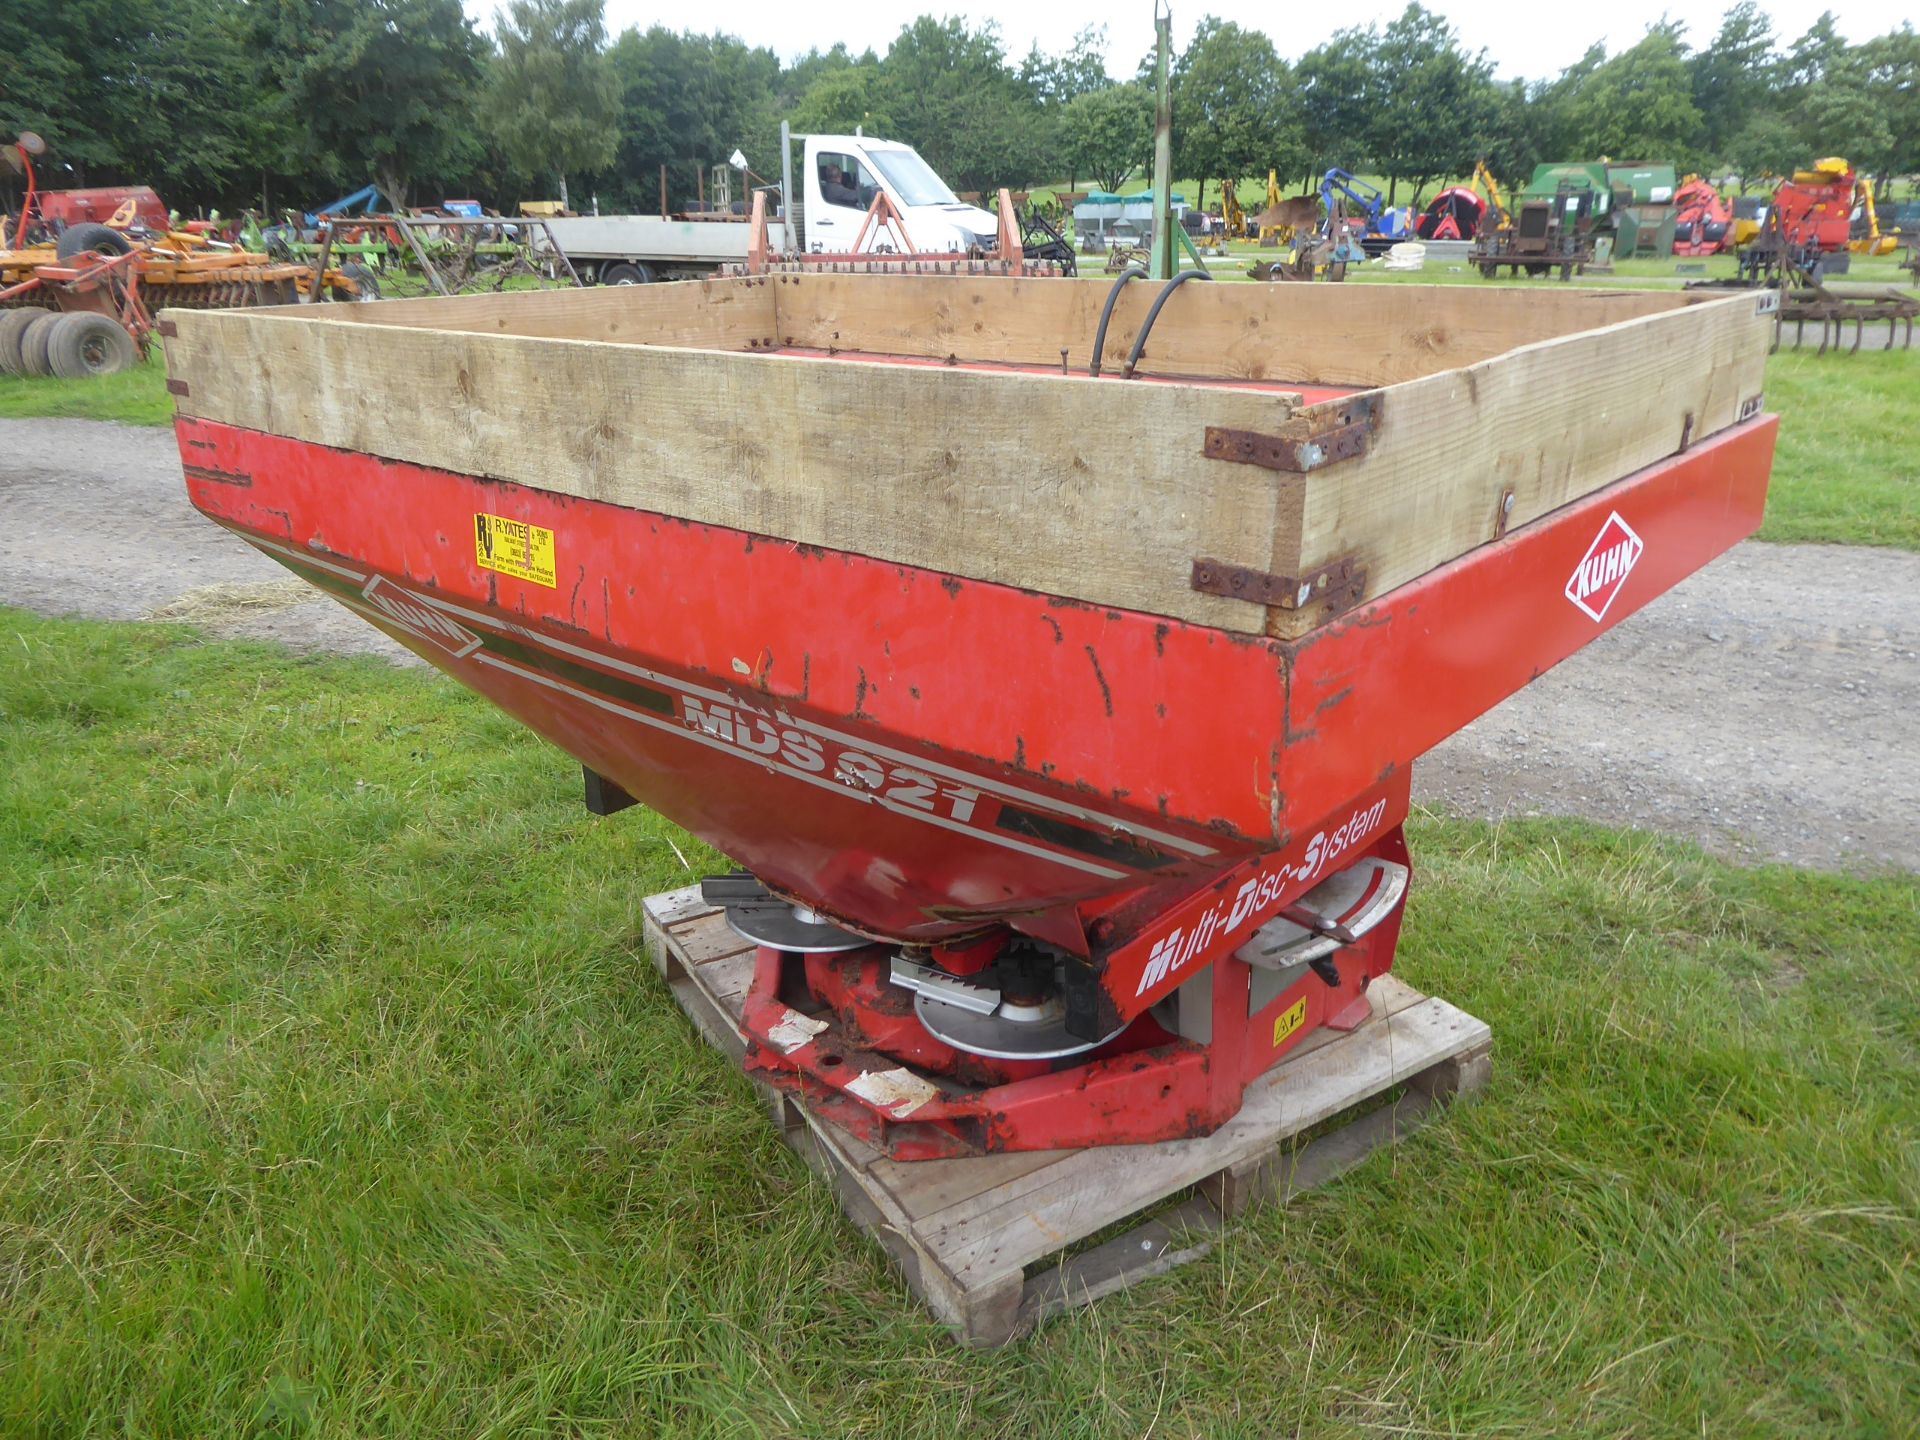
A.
x: 1005, y: 1034
x: 790, y: 927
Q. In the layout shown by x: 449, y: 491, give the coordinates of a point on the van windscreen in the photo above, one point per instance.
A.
x: 911, y: 178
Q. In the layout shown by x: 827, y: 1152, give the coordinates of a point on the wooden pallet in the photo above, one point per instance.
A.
x: 980, y: 1240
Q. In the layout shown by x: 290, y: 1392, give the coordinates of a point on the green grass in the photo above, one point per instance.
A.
x: 133, y: 397
x: 338, y: 1100
x: 1848, y: 465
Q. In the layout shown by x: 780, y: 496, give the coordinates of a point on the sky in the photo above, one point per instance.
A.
x: 1522, y: 40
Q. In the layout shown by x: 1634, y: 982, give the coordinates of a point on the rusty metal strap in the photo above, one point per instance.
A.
x: 1317, y: 436
x: 1342, y: 584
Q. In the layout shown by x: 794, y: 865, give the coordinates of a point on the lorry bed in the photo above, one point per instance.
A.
x: 1302, y: 448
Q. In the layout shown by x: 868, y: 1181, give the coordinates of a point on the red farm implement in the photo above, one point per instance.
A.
x: 1067, y: 785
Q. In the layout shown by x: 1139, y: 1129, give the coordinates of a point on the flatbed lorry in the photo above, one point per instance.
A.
x: 839, y: 177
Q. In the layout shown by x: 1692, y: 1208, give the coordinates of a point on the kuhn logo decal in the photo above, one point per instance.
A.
x: 1256, y: 896
x: 421, y: 621
x: 1605, y: 567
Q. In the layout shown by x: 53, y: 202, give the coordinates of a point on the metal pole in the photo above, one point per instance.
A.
x: 786, y: 189
x: 1162, y: 260
x: 420, y: 254
x: 317, y: 291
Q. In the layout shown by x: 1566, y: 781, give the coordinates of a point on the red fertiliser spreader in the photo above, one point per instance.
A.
x: 1050, y: 658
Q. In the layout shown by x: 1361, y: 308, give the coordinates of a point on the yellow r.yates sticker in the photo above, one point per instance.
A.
x: 1289, y: 1020
x: 512, y: 548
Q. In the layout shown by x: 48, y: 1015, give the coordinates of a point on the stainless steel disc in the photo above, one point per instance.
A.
x: 1002, y: 1036
x: 791, y: 927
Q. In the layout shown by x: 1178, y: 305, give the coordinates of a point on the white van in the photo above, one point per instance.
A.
x: 838, y: 177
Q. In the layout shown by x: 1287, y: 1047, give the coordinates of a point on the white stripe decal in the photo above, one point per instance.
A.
x: 722, y: 697
x: 306, y: 559
x: 846, y: 791
x: 966, y: 777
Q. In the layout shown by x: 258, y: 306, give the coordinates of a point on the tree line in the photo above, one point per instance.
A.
x: 276, y: 103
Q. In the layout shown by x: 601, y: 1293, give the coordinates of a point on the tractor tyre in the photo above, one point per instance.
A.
x: 33, y: 344
x: 87, y: 343
x: 13, y: 324
x: 1489, y: 272
x: 77, y: 239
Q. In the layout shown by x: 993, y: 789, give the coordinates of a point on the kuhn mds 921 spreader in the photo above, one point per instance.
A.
x: 1059, y: 714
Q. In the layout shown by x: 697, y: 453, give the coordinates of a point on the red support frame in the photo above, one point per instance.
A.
x: 928, y: 758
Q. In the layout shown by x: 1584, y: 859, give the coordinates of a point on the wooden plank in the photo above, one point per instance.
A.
x: 990, y: 1303
x: 1547, y: 424
x: 1334, y: 335
x: 707, y: 944
x: 1155, y: 1248
x: 1015, y: 478
x: 712, y: 314
x: 982, y: 1238
x: 677, y: 907
x: 982, y: 1313
x: 953, y: 1189
x: 1280, y: 1174
x: 709, y: 1017
x: 1391, y: 1000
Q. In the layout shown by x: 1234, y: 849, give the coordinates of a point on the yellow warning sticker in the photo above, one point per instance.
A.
x: 1289, y: 1020
x: 513, y: 548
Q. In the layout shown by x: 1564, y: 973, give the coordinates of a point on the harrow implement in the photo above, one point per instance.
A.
x: 1833, y: 310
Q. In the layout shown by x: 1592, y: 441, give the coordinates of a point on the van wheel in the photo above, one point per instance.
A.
x: 623, y: 274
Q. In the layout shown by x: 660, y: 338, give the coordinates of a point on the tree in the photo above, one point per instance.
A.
x: 1431, y: 100
x: 554, y: 101
x: 1806, y: 61
x: 1892, y: 65
x: 1057, y: 80
x: 1107, y: 134
x: 1731, y: 76
x: 1516, y: 134
x: 686, y: 102
x: 155, y: 91
x: 1843, y: 115
x: 854, y: 98
x: 381, y: 89
x: 1234, y: 109
x: 954, y: 100
x: 1337, y: 86
x: 1638, y: 105
x: 1768, y: 144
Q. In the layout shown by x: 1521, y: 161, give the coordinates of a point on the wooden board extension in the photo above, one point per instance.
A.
x: 988, y: 1243
x: 734, y: 403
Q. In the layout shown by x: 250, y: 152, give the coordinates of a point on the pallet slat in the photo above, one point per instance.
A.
x: 978, y: 1239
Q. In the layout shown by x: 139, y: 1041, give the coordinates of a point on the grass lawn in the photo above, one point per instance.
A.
x: 1848, y: 464
x: 133, y: 397
x: 339, y: 1100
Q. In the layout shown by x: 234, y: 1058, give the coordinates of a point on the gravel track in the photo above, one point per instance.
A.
x: 1768, y: 708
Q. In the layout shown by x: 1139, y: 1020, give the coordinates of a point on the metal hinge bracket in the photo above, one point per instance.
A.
x: 1341, y: 584
x: 1317, y: 436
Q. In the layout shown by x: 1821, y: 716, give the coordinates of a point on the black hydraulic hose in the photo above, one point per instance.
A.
x: 1140, y: 340
x: 1132, y: 272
